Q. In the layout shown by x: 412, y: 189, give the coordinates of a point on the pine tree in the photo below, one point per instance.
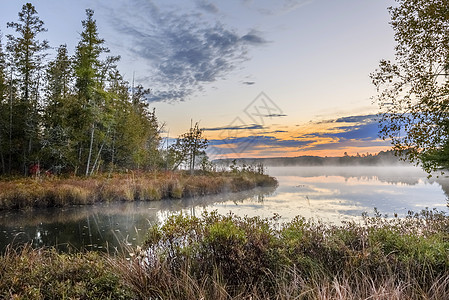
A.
x: 58, y: 149
x: 26, y: 55
x: 3, y: 109
x: 91, y: 95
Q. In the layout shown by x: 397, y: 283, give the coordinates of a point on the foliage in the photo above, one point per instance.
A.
x: 263, y: 258
x: 230, y: 257
x: 414, y: 89
x: 74, y: 115
x: 188, y: 147
x: 25, y: 53
x: 45, y: 274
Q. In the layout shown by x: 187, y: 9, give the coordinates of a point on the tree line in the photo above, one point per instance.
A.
x: 76, y: 113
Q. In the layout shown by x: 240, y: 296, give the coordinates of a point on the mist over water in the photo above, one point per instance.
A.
x: 331, y: 194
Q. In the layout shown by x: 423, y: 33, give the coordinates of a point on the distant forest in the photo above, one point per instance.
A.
x: 72, y: 113
x: 381, y: 158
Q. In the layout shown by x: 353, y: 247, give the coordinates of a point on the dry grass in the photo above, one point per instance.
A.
x: 227, y: 257
x: 28, y: 273
x: 57, y: 192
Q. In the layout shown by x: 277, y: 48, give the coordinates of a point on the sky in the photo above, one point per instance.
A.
x: 264, y: 78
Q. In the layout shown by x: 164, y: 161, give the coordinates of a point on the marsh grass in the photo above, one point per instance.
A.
x: 27, y: 273
x: 56, y: 192
x: 229, y: 257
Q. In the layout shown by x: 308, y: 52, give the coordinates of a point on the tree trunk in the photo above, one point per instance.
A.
x: 96, y: 159
x: 90, y: 148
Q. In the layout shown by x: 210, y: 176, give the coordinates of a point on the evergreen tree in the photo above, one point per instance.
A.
x: 90, y: 92
x: 188, y: 147
x: 58, y: 148
x: 136, y: 135
x: 26, y: 54
x: 89, y: 116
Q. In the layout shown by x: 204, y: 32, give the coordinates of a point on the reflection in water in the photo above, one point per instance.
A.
x: 332, y: 194
x: 342, y: 193
x: 105, y: 226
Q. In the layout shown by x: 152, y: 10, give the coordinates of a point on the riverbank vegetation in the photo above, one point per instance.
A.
x: 74, y: 113
x: 76, y: 117
x: 229, y: 257
x: 144, y: 186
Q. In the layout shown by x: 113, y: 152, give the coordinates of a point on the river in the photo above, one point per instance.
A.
x: 330, y: 194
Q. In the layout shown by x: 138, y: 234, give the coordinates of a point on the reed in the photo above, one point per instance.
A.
x: 56, y: 192
x: 230, y: 257
x: 28, y: 273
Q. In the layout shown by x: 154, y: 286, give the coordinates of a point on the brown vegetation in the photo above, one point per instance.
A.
x: 56, y: 192
x: 228, y: 257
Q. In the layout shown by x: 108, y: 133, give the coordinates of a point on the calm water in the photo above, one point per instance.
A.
x: 332, y: 194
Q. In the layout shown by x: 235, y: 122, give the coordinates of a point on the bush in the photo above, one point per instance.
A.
x: 230, y: 257
x: 254, y: 255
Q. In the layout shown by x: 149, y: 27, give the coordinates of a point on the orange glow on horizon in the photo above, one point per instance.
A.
x: 351, y: 151
x: 310, y: 139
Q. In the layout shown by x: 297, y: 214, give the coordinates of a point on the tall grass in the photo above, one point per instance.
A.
x: 28, y: 273
x: 226, y: 257
x: 55, y: 192
x: 229, y: 257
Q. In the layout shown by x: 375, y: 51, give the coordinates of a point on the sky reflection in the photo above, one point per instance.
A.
x: 330, y: 194
x: 336, y: 194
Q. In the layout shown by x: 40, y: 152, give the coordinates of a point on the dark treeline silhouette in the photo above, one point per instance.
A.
x: 381, y: 158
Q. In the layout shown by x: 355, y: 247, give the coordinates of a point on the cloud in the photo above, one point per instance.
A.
x: 248, y: 82
x: 357, y: 119
x: 354, y: 127
x: 238, y: 127
x: 276, y: 7
x: 254, y: 37
x: 251, y: 144
x: 261, y: 140
x: 207, y: 6
x: 351, y: 133
x: 275, y: 115
x: 362, y: 132
x: 183, y: 51
x: 354, y: 131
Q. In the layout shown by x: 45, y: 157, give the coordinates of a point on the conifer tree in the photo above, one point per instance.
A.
x: 91, y: 96
x: 26, y: 54
x: 58, y: 148
x: 3, y: 109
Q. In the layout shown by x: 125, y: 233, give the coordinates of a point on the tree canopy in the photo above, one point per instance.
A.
x: 188, y: 148
x: 413, y: 90
x: 73, y: 113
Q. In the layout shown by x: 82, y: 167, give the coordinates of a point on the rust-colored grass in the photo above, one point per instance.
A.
x: 135, y: 186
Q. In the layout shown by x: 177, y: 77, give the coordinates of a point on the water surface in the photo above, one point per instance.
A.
x: 331, y: 194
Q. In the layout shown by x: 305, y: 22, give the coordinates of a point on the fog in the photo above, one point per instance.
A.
x: 328, y: 193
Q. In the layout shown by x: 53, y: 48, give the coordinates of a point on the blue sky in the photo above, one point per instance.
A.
x: 264, y: 78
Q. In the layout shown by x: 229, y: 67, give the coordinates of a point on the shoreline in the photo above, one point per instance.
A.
x: 42, y: 192
x: 230, y: 257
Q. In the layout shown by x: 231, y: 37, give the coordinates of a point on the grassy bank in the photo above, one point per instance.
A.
x: 227, y: 257
x: 51, y: 192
